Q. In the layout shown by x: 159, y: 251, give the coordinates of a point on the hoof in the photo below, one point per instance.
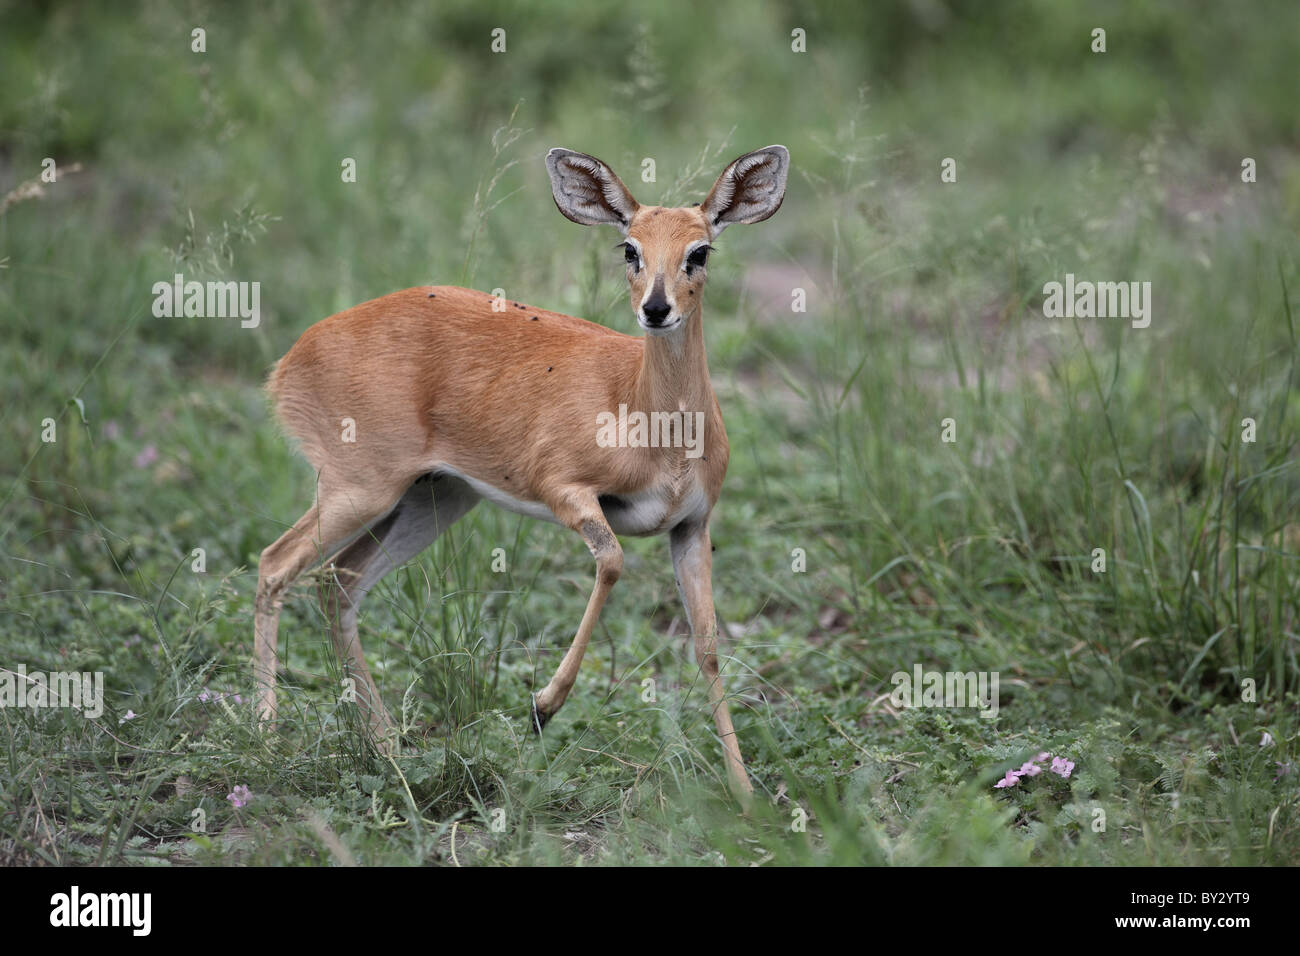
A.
x: 536, y: 719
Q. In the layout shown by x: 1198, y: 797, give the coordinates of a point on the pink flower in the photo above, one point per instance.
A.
x: 240, y: 796
x: 129, y: 715
x: 1030, y: 769
x: 208, y: 694
x: 148, y: 455
x: 1042, y: 756
x: 1062, y: 767
x: 1010, y: 780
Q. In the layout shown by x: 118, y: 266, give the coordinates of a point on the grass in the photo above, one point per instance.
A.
x: 1170, y: 678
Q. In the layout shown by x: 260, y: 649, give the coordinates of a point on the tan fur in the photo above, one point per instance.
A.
x: 437, y: 383
x: 441, y: 365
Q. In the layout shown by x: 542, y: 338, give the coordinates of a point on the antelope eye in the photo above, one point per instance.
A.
x: 698, y: 257
x: 629, y: 254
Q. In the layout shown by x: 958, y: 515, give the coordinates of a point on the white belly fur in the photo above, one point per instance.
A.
x: 530, y: 509
x: 645, y: 512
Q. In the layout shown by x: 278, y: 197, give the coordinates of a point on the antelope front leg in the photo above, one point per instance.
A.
x: 693, y: 563
x: 600, y: 539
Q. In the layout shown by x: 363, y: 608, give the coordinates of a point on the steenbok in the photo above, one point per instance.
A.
x: 414, y: 406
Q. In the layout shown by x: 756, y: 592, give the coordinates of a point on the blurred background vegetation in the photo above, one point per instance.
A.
x: 924, y: 302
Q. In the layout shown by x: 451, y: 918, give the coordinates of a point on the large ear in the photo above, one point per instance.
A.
x: 587, y: 191
x: 749, y: 190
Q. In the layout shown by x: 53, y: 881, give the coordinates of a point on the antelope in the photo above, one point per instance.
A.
x: 450, y: 400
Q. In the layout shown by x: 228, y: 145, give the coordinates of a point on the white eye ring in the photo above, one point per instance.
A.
x: 687, y: 265
x: 629, y: 246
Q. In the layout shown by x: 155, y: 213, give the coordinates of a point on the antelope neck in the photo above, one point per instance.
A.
x: 674, y: 371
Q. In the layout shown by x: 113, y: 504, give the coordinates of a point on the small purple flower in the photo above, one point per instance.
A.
x: 1030, y: 769
x: 237, y: 699
x: 1062, y: 767
x: 129, y: 715
x: 1284, y: 769
x: 1042, y: 756
x: 205, y: 696
x: 148, y: 455
x: 240, y: 796
x: 1010, y: 780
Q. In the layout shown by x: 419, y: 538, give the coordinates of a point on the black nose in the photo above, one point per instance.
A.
x: 655, y: 311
